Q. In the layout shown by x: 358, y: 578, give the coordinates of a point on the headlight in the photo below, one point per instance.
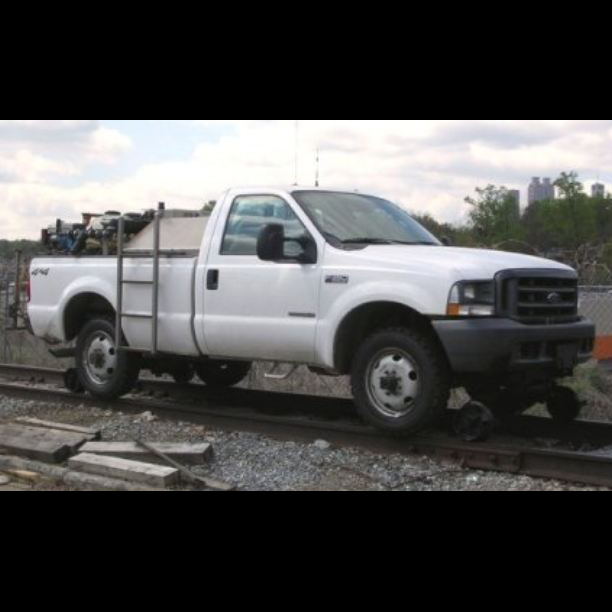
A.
x: 472, y: 299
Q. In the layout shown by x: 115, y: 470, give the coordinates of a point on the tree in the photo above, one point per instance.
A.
x: 495, y: 215
x: 573, y: 202
x: 457, y: 235
x: 569, y: 185
x: 602, y: 217
x: 209, y: 207
x: 28, y: 248
x: 439, y: 230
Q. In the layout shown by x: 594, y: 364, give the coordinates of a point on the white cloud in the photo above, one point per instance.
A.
x: 25, y: 166
x: 46, y: 125
x: 427, y: 165
x: 107, y: 145
x: 77, y: 141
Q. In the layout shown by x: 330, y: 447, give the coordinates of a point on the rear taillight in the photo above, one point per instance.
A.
x: 28, y: 290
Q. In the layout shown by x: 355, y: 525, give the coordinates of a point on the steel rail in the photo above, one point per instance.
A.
x: 577, y: 433
x: 237, y: 410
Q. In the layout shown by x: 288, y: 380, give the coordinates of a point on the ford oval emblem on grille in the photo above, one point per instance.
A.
x: 553, y: 298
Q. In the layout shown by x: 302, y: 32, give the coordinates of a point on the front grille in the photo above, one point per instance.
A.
x: 539, y: 296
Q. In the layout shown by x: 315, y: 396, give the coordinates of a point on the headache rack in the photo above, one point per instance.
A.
x: 155, y: 253
x: 184, y: 228
x: 538, y: 297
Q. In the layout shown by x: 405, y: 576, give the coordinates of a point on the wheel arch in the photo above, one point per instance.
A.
x: 366, y: 319
x: 81, y: 308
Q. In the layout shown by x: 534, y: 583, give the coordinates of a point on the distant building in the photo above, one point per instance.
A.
x: 598, y: 190
x: 541, y: 190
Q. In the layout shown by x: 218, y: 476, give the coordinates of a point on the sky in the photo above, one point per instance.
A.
x: 59, y: 168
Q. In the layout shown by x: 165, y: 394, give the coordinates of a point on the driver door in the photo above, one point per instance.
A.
x: 255, y: 309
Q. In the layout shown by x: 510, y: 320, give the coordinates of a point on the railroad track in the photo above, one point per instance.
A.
x: 531, y: 446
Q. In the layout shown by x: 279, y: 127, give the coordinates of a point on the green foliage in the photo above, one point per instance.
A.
x: 573, y: 222
x: 569, y: 185
x: 569, y: 222
x: 209, y: 207
x: 29, y: 248
x: 457, y: 235
x: 495, y: 215
x: 437, y: 229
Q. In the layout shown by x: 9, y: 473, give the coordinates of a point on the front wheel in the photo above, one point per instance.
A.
x: 183, y: 374
x: 563, y: 405
x: 222, y: 374
x: 502, y: 401
x: 400, y: 381
x: 103, y: 370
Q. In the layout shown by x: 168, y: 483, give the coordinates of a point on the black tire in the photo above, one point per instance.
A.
x: 424, y: 367
x: 183, y: 374
x: 502, y: 402
x: 72, y: 382
x: 115, y: 381
x: 474, y: 422
x: 222, y: 374
x: 563, y: 405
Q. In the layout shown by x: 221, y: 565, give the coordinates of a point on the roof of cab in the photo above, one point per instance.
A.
x: 293, y: 188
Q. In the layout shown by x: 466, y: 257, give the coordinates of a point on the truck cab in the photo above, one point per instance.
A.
x: 342, y: 282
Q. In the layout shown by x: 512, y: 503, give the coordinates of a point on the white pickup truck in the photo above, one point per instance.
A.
x: 344, y: 283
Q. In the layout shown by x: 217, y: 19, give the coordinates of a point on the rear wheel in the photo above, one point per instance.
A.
x: 400, y: 381
x: 222, y: 374
x: 103, y: 371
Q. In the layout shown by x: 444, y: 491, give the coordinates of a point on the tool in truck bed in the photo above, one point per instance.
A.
x: 96, y: 234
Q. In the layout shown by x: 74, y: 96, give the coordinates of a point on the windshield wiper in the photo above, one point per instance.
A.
x: 385, y: 241
x: 368, y: 241
x: 418, y: 243
x: 332, y: 238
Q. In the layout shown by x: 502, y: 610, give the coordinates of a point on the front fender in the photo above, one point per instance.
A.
x: 402, y: 293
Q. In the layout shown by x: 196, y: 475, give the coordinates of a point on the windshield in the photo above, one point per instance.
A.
x: 352, y: 218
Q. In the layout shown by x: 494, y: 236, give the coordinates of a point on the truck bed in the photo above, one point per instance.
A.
x: 58, y: 280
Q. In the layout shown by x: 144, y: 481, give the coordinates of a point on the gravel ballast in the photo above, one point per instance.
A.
x: 253, y: 462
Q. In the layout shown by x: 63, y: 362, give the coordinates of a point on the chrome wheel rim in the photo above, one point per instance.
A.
x: 100, y: 358
x: 393, y: 383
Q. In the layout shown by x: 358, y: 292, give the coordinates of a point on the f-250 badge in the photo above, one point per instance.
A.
x: 337, y: 279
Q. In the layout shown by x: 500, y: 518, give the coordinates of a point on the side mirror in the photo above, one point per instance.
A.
x: 271, y: 242
x: 271, y: 246
x: 446, y: 241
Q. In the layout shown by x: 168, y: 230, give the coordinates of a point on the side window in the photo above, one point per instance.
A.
x: 249, y: 214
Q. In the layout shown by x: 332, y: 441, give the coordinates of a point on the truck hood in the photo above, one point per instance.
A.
x: 467, y: 264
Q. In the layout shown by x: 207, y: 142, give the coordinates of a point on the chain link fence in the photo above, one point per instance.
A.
x: 596, y: 304
x: 17, y: 345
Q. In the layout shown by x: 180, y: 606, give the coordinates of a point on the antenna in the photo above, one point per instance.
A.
x: 297, y: 150
x: 318, y: 168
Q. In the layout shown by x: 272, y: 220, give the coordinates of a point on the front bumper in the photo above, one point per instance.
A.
x: 504, y: 345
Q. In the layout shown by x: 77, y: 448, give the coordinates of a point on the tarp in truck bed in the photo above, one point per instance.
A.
x: 176, y: 234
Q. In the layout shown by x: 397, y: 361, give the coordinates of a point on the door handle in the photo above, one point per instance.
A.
x: 212, y: 280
